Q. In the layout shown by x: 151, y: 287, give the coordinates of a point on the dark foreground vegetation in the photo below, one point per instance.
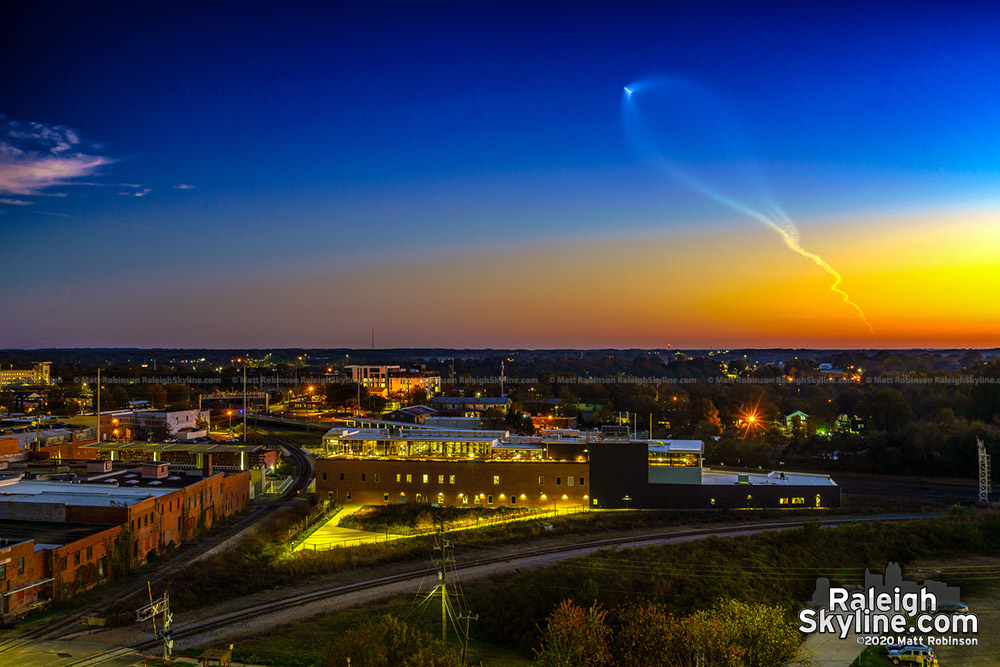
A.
x: 715, y: 596
x: 777, y: 569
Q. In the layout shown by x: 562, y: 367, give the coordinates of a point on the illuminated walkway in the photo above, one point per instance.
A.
x: 331, y: 534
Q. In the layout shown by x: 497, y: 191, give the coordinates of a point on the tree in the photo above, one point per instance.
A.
x: 387, y: 642
x: 157, y: 396
x: 886, y: 410
x: 651, y: 636
x: 519, y: 423
x: 575, y: 637
x: 764, y: 633
x: 119, y: 397
x: 178, y: 396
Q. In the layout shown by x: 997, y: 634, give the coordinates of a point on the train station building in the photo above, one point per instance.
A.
x: 596, y: 470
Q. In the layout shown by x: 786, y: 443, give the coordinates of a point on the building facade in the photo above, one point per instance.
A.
x: 37, y: 375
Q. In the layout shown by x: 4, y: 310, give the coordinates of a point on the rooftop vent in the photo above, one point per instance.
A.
x: 154, y: 470
x: 132, y: 481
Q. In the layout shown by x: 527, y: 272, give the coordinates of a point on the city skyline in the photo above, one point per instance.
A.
x: 462, y: 177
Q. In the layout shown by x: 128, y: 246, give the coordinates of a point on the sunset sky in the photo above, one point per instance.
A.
x: 464, y: 175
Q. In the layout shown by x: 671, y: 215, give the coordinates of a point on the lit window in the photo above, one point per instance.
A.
x: 409, y: 478
x: 479, y: 499
x: 425, y: 477
x: 451, y: 479
x: 440, y: 479
x: 496, y: 479
x: 782, y: 501
x: 399, y: 477
x: 465, y: 500
x: 569, y: 481
x: 798, y: 501
x: 385, y: 497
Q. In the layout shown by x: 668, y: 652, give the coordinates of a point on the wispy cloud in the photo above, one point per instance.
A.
x: 59, y: 215
x: 14, y: 202
x: 129, y: 185
x: 139, y: 193
x: 35, y: 156
x: 184, y: 186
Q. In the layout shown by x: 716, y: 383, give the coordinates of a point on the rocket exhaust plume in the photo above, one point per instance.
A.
x: 778, y: 221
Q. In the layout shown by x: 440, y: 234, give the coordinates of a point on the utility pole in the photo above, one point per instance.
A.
x: 443, y: 575
x: 98, y: 405
x: 244, y: 400
x: 453, y: 607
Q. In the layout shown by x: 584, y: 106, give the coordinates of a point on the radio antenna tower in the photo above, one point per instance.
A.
x: 985, y: 473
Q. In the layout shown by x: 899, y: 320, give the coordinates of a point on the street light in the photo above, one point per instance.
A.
x: 627, y: 499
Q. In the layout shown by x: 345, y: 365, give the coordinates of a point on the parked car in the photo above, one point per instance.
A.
x: 920, y: 655
x: 952, y: 608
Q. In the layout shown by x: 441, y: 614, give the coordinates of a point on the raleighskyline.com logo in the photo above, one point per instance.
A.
x: 891, y: 611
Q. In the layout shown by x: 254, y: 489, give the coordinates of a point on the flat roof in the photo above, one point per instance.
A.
x: 193, y: 448
x: 133, y: 479
x: 93, y: 494
x: 47, y: 533
x: 420, y: 436
x: 676, y: 446
x: 516, y: 446
x: 466, y: 400
x: 773, y: 478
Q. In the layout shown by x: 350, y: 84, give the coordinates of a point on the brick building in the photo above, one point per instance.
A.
x: 596, y: 470
x: 83, y: 533
x: 457, y: 482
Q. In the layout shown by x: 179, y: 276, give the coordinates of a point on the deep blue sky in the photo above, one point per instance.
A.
x: 336, y: 134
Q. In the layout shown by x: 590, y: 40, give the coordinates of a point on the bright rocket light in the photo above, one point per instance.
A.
x: 779, y: 221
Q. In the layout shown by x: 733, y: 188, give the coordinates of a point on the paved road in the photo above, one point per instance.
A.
x: 331, y: 534
x: 69, y: 653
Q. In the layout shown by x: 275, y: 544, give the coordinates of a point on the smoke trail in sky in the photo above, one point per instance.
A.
x: 777, y: 220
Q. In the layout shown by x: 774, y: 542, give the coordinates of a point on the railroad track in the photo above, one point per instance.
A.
x: 71, y: 621
x: 195, y: 629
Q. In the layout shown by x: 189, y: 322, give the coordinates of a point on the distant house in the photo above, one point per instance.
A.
x: 415, y: 414
x: 797, y: 419
x: 849, y: 424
